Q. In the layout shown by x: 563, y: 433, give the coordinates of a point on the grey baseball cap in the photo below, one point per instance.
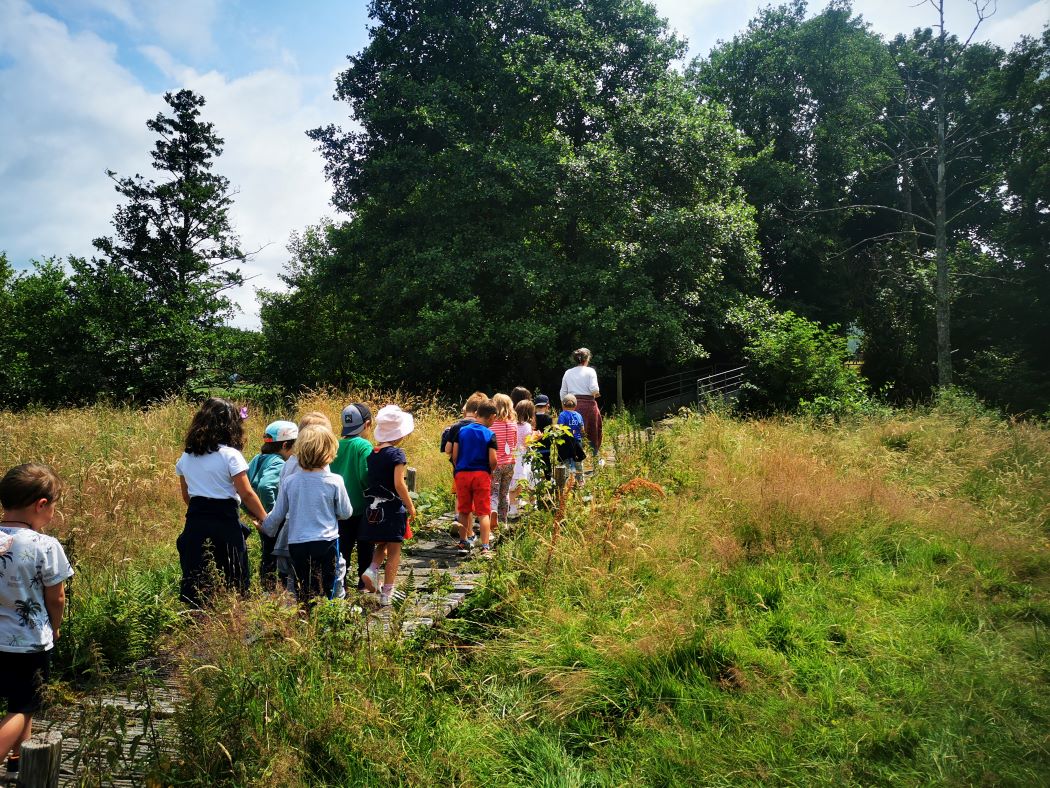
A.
x: 354, y: 418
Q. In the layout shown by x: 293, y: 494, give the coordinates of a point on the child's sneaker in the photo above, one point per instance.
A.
x: 386, y: 596
x: 464, y: 547
x: 486, y: 552
x: 370, y: 579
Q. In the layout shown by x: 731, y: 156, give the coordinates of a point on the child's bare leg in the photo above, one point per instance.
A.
x: 393, y: 562
x: 465, y: 525
x: 14, y: 729
x: 486, y: 531
x: 378, y: 554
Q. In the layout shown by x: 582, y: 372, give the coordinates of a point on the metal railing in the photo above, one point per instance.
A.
x: 670, y: 386
x: 720, y: 384
x: 665, y: 394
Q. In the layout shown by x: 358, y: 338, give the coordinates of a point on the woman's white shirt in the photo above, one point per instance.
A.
x: 211, y: 475
x: 579, y: 380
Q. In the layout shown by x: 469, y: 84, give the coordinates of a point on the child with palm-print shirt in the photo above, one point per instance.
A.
x: 33, y: 572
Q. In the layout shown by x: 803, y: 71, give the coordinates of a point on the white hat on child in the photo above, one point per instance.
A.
x: 392, y: 424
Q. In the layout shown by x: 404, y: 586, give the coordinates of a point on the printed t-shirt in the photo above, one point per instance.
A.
x: 506, y: 433
x: 211, y: 475
x: 29, y: 563
x: 351, y: 463
x: 574, y: 421
x: 475, y: 440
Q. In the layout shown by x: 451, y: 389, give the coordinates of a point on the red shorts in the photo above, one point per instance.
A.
x: 473, y: 492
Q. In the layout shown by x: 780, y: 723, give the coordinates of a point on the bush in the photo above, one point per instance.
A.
x: 795, y: 365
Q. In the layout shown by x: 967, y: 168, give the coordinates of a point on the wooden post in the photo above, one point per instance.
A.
x: 619, y: 386
x: 410, y: 479
x: 41, y: 758
x: 561, y: 478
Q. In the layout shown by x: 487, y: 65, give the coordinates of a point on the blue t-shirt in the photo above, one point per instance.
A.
x: 574, y: 421
x: 474, y: 441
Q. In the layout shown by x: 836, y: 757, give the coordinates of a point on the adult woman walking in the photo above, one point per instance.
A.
x: 582, y: 382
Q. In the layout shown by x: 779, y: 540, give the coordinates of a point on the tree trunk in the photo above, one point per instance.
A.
x: 944, y: 345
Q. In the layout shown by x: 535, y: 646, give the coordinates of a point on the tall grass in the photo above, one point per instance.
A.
x: 121, y: 510
x: 780, y: 601
x: 801, y: 605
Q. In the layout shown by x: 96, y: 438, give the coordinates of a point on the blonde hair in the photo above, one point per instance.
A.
x: 314, y: 418
x: 475, y: 399
x: 568, y: 401
x: 316, y: 447
x: 504, y: 407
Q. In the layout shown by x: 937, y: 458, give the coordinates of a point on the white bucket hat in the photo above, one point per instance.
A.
x: 392, y: 424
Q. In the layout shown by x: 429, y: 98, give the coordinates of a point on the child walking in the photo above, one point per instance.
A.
x: 474, y: 455
x: 525, y: 415
x: 312, y: 500
x: 213, y: 477
x: 541, y: 468
x: 32, y: 599
x: 264, y: 475
x: 351, y: 463
x: 570, y: 451
x: 505, y: 429
x: 388, y: 506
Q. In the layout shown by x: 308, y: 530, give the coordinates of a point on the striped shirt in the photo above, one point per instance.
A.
x: 506, y: 441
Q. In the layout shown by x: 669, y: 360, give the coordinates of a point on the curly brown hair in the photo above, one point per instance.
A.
x: 218, y: 422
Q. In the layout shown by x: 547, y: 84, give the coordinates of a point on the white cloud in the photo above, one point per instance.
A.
x: 1007, y: 30
x: 703, y: 22
x: 118, y: 9
x: 72, y: 112
x: 185, y: 25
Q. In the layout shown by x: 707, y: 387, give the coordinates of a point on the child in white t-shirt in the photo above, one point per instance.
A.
x: 213, y: 475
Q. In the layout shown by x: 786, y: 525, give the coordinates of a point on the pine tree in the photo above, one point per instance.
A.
x: 158, y: 293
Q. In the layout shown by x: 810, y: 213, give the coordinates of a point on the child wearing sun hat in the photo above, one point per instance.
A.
x: 388, y: 506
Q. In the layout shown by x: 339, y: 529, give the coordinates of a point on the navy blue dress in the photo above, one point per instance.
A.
x: 385, y: 515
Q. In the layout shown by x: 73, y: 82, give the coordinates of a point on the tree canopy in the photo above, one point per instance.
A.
x: 528, y: 178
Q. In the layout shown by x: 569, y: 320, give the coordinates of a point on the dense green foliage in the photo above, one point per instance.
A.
x: 144, y: 320
x: 524, y: 178
x: 794, y: 364
x: 842, y: 137
x: 528, y: 178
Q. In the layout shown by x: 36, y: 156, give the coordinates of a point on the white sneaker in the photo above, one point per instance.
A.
x: 385, y: 599
x: 370, y: 577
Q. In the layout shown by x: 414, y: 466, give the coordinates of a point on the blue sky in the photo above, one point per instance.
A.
x: 79, y: 78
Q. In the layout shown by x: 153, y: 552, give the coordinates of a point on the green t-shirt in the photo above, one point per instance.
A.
x: 351, y: 463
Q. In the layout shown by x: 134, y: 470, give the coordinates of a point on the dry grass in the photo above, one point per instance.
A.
x: 121, y: 501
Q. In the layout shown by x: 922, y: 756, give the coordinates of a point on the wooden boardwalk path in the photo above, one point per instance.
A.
x: 107, y: 734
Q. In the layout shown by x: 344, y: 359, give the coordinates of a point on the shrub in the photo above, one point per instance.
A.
x: 795, y: 365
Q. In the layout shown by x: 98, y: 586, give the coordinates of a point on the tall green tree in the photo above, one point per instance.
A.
x: 529, y: 177
x: 808, y: 92
x: 158, y: 291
